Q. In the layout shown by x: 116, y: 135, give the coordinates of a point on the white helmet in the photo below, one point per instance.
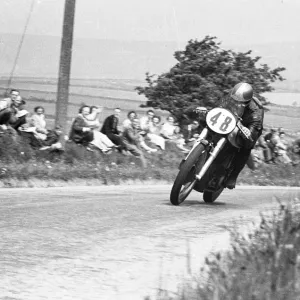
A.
x: 242, y: 92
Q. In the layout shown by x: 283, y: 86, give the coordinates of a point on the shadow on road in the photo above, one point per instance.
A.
x: 195, y: 202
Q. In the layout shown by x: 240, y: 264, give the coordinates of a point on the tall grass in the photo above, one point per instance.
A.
x: 20, y: 163
x: 261, y: 265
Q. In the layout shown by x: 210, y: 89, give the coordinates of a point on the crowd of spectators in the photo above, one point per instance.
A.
x: 17, y: 121
x: 134, y: 136
x: 273, y: 147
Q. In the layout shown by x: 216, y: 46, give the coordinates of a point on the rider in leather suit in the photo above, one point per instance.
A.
x: 252, y: 121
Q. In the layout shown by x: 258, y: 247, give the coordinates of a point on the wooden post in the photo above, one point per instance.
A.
x: 65, y: 66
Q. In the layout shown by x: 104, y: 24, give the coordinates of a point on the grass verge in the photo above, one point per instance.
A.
x: 261, y: 265
x: 20, y: 166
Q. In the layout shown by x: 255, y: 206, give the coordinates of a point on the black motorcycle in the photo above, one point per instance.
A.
x: 208, y: 165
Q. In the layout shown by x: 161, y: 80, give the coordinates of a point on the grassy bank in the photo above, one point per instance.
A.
x: 20, y: 166
x: 115, y: 170
x: 261, y: 265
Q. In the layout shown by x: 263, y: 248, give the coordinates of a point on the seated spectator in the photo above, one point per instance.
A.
x: 154, y: 133
x: 28, y: 132
x: 52, y: 140
x: 5, y: 108
x: 39, y: 122
x: 93, y: 117
x: 145, y: 125
x: 146, y: 122
x: 270, y: 154
x: 80, y: 132
x: 296, y: 146
x: 100, y: 141
x: 281, y: 146
x: 19, y: 113
x: 130, y: 117
x: 110, y: 128
x: 132, y: 140
x: 263, y: 152
x: 171, y: 132
x: 257, y: 157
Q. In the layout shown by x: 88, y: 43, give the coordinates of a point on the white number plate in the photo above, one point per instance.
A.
x: 220, y: 120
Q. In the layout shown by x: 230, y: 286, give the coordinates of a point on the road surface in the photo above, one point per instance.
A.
x: 115, y: 242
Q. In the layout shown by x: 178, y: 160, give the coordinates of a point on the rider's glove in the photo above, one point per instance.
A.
x: 201, y: 110
x: 246, y: 132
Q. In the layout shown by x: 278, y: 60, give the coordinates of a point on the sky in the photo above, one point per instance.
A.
x: 232, y: 21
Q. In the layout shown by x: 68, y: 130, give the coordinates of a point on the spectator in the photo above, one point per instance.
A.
x: 132, y: 139
x: 52, y: 140
x: 100, y: 141
x: 171, y: 132
x: 38, y: 121
x: 19, y: 113
x: 269, y: 153
x: 146, y: 122
x: 257, y: 156
x: 296, y: 146
x: 93, y: 117
x: 146, y: 126
x: 281, y: 146
x: 262, y: 151
x: 154, y: 133
x: 80, y: 132
x: 110, y: 128
x: 5, y: 108
x: 130, y: 117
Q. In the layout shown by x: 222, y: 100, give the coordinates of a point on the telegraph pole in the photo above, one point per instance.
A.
x: 65, y: 65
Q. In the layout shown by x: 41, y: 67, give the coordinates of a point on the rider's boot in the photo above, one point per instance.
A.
x: 231, y: 182
x: 237, y: 168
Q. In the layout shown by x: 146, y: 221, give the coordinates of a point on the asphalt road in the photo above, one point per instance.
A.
x: 117, y: 242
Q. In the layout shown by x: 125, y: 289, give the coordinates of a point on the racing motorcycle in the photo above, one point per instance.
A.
x: 209, y: 163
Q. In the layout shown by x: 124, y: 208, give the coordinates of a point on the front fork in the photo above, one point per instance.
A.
x: 211, y: 158
x: 201, y: 137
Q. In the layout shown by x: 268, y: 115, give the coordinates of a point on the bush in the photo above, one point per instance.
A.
x: 263, y: 265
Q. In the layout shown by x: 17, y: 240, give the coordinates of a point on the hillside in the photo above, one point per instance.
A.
x: 111, y: 93
x: 94, y: 59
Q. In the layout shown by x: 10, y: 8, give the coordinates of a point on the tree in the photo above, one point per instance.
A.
x: 203, y: 75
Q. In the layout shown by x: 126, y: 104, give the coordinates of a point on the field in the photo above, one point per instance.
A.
x: 111, y: 93
x: 290, y: 124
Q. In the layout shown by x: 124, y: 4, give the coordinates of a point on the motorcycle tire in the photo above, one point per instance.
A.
x: 186, y: 175
x: 210, y: 197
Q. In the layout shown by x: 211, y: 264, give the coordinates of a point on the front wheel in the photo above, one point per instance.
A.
x: 210, y: 197
x: 186, y: 178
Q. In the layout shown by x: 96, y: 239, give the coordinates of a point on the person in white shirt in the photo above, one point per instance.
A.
x: 171, y: 132
x: 154, y: 133
x: 130, y: 117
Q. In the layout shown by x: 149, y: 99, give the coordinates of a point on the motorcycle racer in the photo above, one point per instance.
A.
x: 252, y: 116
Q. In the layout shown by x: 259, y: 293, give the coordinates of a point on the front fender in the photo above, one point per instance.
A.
x: 203, y: 142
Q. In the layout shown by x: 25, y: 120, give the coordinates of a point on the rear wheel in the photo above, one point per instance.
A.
x: 185, y: 180
x: 210, y: 197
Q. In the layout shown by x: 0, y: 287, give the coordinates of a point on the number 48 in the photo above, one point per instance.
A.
x: 224, y: 125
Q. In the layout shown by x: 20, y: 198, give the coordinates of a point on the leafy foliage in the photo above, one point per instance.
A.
x: 203, y: 74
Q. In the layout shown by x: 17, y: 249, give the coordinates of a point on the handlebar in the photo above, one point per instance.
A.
x: 240, y: 127
x: 203, y: 111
